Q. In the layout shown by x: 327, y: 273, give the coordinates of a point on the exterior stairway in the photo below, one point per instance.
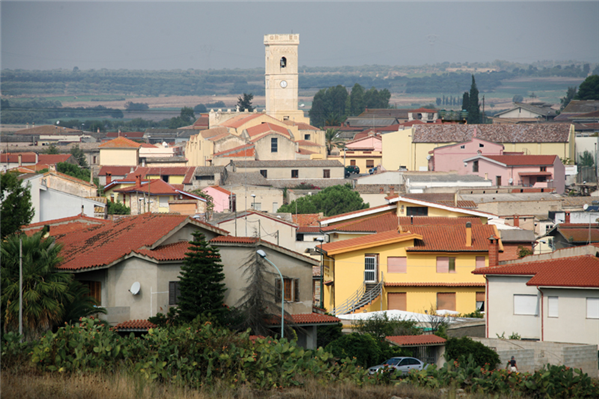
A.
x: 364, y: 296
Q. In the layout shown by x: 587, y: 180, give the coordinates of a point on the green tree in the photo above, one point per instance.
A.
x: 244, y: 102
x: 200, y: 108
x: 45, y: 289
x: 381, y: 327
x: 187, y: 115
x: 465, y: 101
x: 356, y: 100
x: 317, y: 112
x: 16, y: 209
x: 201, y: 286
x: 331, y: 201
x: 517, y: 98
x: 474, y: 107
x: 589, y: 89
x: 117, y: 208
x: 363, y: 347
x: 52, y: 149
x: 332, y: 140
x: 457, y: 348
x: 569, y: 97
x: 79, y: 155
x: 329, y: 106
x: 586, y: 159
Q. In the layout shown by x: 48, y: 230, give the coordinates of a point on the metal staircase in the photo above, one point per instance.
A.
x: 363, y: 296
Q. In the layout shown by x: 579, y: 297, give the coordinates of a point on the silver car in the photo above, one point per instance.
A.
x: 404, y: 364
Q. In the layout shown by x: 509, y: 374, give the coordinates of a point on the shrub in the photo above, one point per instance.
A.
x: 458, y: 347
x: 116, y: 208
x: 362, y: 347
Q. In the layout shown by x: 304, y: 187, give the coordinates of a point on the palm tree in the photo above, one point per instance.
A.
x: 332, y: 140
x: 45, y: 289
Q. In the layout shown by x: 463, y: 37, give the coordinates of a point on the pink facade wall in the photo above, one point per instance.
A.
x: 500, y: 175
x: 451, y: 158
x: 369, y: 142
x: 220, y: 199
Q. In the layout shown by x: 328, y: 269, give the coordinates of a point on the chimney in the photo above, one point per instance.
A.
x: 108, y: 178
x: 391, y: 192
x: 20, y: 160
x: 82, y: 210
x: 468, y: 234
x: 516, y: 221
x: 411, y: 219
x: 493, y: 251
x: 455, y: 199
x: 567, y: 217
x: 138, y: 181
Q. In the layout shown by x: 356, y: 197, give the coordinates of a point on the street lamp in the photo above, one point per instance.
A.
x: 263, y: 256
x: 254, y: 201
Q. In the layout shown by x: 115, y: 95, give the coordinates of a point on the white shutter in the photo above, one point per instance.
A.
x: 525, y: 305
x: 592, y: 308
x: 552, y: 304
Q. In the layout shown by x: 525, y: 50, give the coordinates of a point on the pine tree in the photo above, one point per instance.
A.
x: 474, y: 107
x: 202, y: 290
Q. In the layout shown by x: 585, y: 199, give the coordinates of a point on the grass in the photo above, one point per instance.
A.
x: 123, y: 386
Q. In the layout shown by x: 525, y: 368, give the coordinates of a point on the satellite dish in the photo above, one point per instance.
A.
x: 428, y: 157
x: 135, y: 288
x: 585, y: 206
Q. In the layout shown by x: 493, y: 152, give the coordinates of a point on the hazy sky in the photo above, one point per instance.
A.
x: 202, y: 35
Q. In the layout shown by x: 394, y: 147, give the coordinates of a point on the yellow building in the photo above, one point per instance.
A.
x: 120, y: 151
x: 410, y: 148
x: 422, y: 264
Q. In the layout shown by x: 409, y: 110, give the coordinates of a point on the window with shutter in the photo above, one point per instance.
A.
x: 592, y: 308
x: 291, y: 289
x: 442, y: 264
x: 296, y: 296
x: 95, y: 290
x: 370, y: 263
x: 552, y: 304
x: 397, y: 301
x: 174, y: 291
x: 446, y: 300
x: 397, y: 264
x: 526, y: 305
x: 480, y: 261
x: 480, y: 301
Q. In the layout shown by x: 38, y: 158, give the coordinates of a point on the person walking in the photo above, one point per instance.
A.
x: 511, y: 365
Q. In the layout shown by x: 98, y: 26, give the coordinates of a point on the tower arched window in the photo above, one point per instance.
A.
x: 283, y: 62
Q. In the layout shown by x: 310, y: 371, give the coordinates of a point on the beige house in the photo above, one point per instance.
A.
x: 120, y: 151
x: 294, y: 171
x: 256, y: 197
x: 410, y: 148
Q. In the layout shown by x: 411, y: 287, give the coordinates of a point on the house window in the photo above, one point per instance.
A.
x: 396, y: 301
x: 352, y: 162
x: 275, y: 207
x: 397, y: 264
x: 174, y: 290
x: 481, y: 145
x: 480, y: 301
x: 445, y: 264
x: 480, y: 261
x: 163, y: 201
x: 592, y: 308
x: 475, y: 166
x: 462, y: 147
x: 526, y: 305
x: 291, y: 289
x: 257, y: 206
x: 326, y: 173
x: 445, y: 300
x: 299, y: 237
x: 543, y: 168
x: 370, y: 266
x: 164, y: 178
x: 94, y: 159
x: 264, y: 173
x: 95, y: 290
x: 306, y: 137
x: 552, y: 304
x: 370, y: 163
x: 274, y: 144
x: 294, y: 173
x: 417, y: 211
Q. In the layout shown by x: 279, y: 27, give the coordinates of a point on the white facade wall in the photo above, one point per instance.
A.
x: 501, y: 317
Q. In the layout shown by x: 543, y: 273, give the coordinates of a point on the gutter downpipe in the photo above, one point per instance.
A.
x: 542, y: 318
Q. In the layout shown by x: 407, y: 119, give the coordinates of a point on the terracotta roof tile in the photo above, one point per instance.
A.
x: 53, y: 159
x: 234, y: 240
x: 434, y: 284
x: 523, y: 160
x: 135, y: 325
x: 354, y: 212
x: 579, y: 233
x: 450, y: 237
x: 65, y: 225
x: 26, y: 157
x: 120, y: 142
x: 308, y: 229
x: 307, y: 219
x: 245, y: 150
x: 240, y: 120
x: 174, y: 251
x: 414, y: 340
x: 115, y: 170
x: 266, y: 127
x: 497, y: 133
x: 377, y: 223
x: 367, y: 241
x: 314, y: 318
x: 222, y: 190
x: 575, y: 271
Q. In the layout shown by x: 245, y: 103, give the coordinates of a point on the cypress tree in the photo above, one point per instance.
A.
x: 465, y: 101
x: 202, y: 290
x: 474, y: 108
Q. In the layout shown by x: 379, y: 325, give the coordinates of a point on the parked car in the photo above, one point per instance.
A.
x: 404, y: 364
x: 351, y: 169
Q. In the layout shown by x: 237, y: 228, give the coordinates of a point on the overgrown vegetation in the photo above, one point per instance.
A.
x: 16, y: 209
x: 465, y: 347
x: 117, y: 208
x: 331, y: 201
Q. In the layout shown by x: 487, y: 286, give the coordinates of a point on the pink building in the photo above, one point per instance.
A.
x: 450, y: 158
x: 220, y: 197
x: 538, y: 171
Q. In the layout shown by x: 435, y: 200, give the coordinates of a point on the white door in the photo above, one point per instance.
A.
x: 370, y: 269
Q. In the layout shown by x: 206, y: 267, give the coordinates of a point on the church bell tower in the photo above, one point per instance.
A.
x: 281, y: 77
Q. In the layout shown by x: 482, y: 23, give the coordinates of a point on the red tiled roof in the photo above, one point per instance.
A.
x: 120, y: 142
x: 135, y: 325
x: 308, y: 229
x: 377, y: 223
x: 136, y: 135
x: 434, y: 284
x: 413, y: 340
x: 575, y: 271
x: 523, y: 160
x: 53, y: 159
x: 305, y: 152
x: 100, y: 246
x: 245, y: 150
x: 314, y: 318
x: 13, y: 157
x: 307, y: 219
x: 234, y: 240
x: 266, y: 127
x: 186, y: 171
x: 353, y: 212
x: 64, y: 225
x: 498, y: 133
x: 579, y: 233
x: 240, y: 120
x: 222, y: 190
x: 153, y: 187
x: 372, y: 240
x: 450, y: 237
x: 174, y: 251
x: 148, y: 145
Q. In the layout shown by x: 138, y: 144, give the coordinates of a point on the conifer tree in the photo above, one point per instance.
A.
x: 465, y: 101
x: 202, y: 290
x: 474, y: 107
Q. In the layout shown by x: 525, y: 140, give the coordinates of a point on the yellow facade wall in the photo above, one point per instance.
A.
x: 171, y: 179
x: 402, y: 208
x: 419, y: 299
x: 347, y: 272
x: 119, y: 156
